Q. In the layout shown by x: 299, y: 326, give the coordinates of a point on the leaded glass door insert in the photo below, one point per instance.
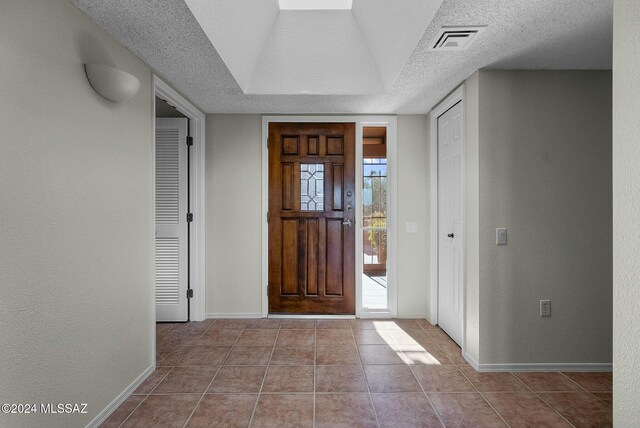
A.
x: 312, y: 187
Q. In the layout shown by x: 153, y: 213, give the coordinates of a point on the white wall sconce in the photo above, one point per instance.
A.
x: 113, y: 84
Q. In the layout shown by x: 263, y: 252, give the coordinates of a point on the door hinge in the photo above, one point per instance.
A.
x: 189, y: 217
x: 190, y: 293
x: 268, y: 217
x: 189, y: 141
x: 268, y: 142
x: 267, y: 289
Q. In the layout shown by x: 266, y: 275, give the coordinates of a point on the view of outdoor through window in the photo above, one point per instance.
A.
x: 374, y: 222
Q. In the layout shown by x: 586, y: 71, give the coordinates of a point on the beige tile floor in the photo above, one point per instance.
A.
x: 341, y: 373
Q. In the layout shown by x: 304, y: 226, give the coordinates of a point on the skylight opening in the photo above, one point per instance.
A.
x: 315, y: 4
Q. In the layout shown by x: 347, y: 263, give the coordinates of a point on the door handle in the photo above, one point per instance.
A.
x: 347, y: 223
x: 451, y: 235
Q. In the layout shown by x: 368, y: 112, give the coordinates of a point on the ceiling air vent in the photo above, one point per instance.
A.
x: 455, y: 38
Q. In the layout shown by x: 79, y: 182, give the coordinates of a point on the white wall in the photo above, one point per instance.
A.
x: 413, y: 205
x: 472, y: 217
x: 76, y: 216
x: 539, y: 163
x: 626, y: 212
x: 234, y: 207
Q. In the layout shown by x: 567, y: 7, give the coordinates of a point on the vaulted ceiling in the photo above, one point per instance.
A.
x: 248, y: 56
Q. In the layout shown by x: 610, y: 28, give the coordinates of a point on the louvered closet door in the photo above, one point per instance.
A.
x: 171, y: 223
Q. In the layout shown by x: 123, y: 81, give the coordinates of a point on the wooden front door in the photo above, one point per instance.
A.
x: 312, y: 218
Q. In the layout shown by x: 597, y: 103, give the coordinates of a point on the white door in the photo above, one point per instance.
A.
x: 171, y: 219
x: 450, y: 222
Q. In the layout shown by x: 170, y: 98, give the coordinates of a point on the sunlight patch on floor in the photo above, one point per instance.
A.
x: 405, y: 346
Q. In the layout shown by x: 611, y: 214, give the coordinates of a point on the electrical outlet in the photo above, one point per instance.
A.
x: 545, y: 308
x: 501, y: 236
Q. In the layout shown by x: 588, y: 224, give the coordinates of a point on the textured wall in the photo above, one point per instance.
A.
x: 234, y: 198
x: 472, y: 213
x: 413, y: 205
x: 626, y: 212
x: 545, y: 174
x: 234, y: 221
x: 76, y: 216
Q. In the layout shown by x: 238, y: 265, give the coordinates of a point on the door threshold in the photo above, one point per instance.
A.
x: 312, y: 317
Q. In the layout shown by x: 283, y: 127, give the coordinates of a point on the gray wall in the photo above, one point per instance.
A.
x: 76, y: 216
x: 413, y: 205
x: 234, y: 220
x: 545, y: 174
x: 626, y: 206
x: 234, y: 204
x: 472, y: 217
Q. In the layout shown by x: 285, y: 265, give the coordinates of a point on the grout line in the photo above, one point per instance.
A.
x: 364, y: 373
x: 161, y: 380
x: 418, y: 381
x: 573, y: 381
x: 148, y: 393
x: 315, y: 393
x: 201, y: 397
x: 553, y: 408
x: 214, y: 376
x: 255, y: 406
x: 131, y: 413
x: 537, y: 394
x: 484, y: 398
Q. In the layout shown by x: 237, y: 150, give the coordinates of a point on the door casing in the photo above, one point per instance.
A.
x: 361, y: 121
x: 457, y: 96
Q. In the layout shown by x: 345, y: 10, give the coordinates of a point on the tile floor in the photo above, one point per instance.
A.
x: 341, y: 373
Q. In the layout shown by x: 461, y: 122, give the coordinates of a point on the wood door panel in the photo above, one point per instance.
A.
x: 311, y: 252
x: 290, y: 145
x: 313, y: 145
x: 335, y: 146
x: 287, y: 186
x: 312, y: 257
x: 334, y: 257
x: 289, y: 258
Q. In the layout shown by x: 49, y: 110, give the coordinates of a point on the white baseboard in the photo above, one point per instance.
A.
x: 412, y: 316
x: 106, y: 412
x: 472, y: 362
x: 216, y: 315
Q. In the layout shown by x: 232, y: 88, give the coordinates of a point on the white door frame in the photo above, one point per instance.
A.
x: 390, y: 122
x: 196, y: 193
x: 452, y: 99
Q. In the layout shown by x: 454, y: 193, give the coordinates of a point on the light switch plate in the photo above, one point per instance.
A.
x: 411, y: 227
x: 501, y: 236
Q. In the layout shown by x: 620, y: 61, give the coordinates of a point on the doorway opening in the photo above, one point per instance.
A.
x: 387, y: 137
x: 311, y: 218
x: 179, y: 207
x: 172, y: 155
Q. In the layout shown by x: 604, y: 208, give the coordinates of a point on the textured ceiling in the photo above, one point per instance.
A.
x: 520, y: 34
